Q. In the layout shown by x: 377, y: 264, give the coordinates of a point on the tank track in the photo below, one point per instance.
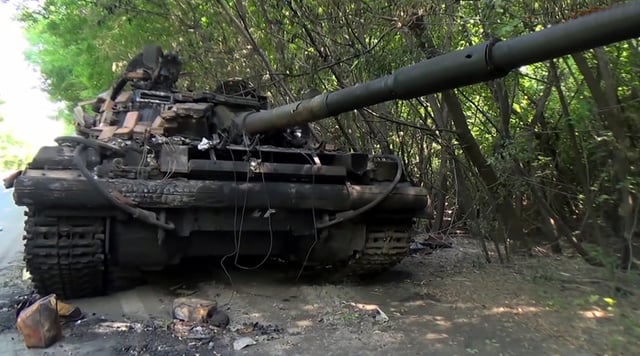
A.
x: 385, y: 247
x: 66, y: 256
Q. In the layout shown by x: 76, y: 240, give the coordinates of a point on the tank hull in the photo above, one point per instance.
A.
x: 68, y: 217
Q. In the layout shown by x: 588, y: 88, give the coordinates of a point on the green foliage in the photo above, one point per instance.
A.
x: 13, y: 154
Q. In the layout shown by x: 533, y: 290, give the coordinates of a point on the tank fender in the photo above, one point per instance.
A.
x: 10, y: 179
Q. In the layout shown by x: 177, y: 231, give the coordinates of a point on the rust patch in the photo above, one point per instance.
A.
x: 121, y: 198
x: 130, y: 121
x: 107, y: 132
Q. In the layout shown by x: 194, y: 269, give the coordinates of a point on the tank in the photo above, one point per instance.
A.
x: 155, y: 175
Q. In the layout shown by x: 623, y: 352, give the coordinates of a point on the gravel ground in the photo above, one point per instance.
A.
x: 444, y: 302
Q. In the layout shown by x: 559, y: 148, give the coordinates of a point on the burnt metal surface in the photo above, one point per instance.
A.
x: 67, y: 190
x: 257, y: 167
x: 174, y: 159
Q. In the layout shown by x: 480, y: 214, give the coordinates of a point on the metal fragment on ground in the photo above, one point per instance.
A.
x: 243, y: 342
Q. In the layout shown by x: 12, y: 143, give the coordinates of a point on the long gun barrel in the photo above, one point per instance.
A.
x: 479, y: 63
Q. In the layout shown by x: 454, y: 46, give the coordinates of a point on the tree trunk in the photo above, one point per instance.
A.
x: 611, y: 113
x: 554, y: 224
x: 511, y: 222
x: 466, y: 203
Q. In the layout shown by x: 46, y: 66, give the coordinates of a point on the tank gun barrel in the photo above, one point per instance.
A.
x: 475, y: 64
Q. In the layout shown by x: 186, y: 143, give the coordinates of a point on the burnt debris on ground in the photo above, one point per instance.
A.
x: 430, y: 303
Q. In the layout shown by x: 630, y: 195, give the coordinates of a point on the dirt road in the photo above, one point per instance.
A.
x: 450, y: 302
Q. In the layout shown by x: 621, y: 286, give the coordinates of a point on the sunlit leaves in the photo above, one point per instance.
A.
x: 13, y: 153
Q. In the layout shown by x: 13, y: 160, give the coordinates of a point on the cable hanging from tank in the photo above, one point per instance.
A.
x: 237, y: 232
x: 235, y: 220
x: 79, y: 159
x: 348, y: 215
x: 315, y: 222
x: 255, y: 144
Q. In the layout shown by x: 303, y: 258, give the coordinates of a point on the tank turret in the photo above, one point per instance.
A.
x: 155, y: 174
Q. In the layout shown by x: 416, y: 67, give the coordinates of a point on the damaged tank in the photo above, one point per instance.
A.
x: 155, y: 175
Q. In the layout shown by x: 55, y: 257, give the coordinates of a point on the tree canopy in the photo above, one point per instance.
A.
x: 549, y: 153
x: 14, y: 153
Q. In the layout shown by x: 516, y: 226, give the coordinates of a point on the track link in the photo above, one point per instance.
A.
x: 385, y: 247
x: 65, y: 256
